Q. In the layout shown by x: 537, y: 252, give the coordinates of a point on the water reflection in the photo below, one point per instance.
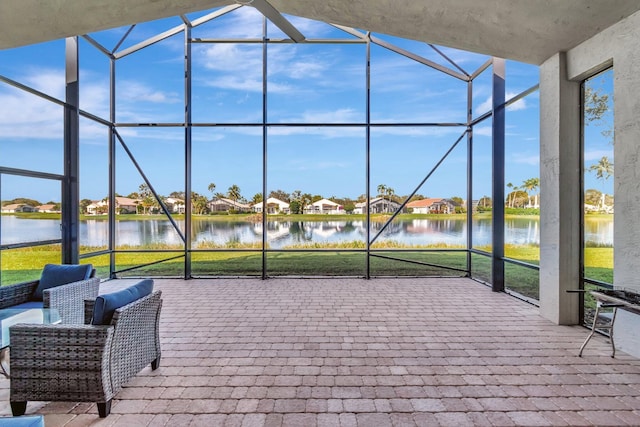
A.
x: 280, y: 234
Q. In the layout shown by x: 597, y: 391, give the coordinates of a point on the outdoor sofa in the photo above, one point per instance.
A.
x: 87, y: 362
x: 63, y: 287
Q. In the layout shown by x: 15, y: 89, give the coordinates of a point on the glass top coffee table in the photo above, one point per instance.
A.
x: 12, y: 316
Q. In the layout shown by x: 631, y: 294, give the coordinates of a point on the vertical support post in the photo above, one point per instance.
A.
x: 264, y: 148
x: 70, y: 187
x: 187, y: 150
x: 112, y: 168
x: 561, y: 185
x: 368, y: 159
x: 469, y: 176
x: 497, y: 147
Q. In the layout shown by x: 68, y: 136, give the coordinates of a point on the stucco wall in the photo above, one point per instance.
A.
x: 620, y: 45
x: 559, y: 77
x: 560, y: 211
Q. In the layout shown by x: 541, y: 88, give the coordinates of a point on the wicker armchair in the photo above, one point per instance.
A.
x: 84, y: 363
x: 67, y: 299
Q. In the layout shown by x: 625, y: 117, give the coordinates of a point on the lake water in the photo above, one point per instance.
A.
x: 519, y: 231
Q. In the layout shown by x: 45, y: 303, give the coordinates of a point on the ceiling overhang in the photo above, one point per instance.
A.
x: 523, y: 30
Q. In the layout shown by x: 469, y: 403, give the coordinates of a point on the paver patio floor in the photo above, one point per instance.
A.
x: 352, y: 352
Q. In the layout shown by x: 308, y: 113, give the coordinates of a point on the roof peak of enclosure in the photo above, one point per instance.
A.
x: 520, y: 30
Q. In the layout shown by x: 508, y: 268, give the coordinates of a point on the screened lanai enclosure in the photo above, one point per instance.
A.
x: 241, y: 142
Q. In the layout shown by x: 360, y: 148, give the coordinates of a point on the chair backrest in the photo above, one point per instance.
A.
x: 136, y: 335
x: 60, y: 274
x: 106, y: 304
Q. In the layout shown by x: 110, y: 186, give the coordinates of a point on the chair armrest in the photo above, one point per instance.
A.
x: 55, y: 347
x: 89, y: 305
x: 17, y: 294
x: 53, y: 361
x: 69, y: 299
x: 137, y: 335
x: 62, y: 340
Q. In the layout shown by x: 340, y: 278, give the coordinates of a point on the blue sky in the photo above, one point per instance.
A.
x: 306, y: 84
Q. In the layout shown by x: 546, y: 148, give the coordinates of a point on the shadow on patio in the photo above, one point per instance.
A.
x: 351, y: 352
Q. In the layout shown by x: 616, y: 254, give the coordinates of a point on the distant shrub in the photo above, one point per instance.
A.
x: 522, y: 211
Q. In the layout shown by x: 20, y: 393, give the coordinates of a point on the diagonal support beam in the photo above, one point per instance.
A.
x: 272, y: 14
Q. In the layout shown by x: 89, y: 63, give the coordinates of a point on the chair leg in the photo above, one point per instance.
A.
x: 18, y: 408
x: 104, y: 408
x: 155, y: 364
x: 613, y: 344
x: 593, y: 330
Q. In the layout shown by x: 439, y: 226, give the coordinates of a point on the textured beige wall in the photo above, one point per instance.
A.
x: 617, y: 45
x: 560, y: 192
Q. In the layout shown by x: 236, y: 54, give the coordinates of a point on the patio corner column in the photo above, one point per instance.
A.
x: 70, y: 199
x: 497, y: 147
x: 560, y: 184
x: 188, y: 152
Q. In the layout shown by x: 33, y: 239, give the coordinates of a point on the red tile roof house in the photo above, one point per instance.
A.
x: 49, y: 208
x: 274, y: 206
x: 123, y: 205
x: 18, y: 207
x: 377, y: 205
x: 324, y: 206
x: 222, y: 204
x: 426, y: 206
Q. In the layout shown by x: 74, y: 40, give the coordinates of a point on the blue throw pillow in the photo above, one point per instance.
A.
x: 55, y: 275
x: 27, y: 305
x: 107, y: 304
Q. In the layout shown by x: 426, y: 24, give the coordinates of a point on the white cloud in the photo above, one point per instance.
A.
x: 487, y: 104
x: 520, y: 104
x: 236, y: 83
x: 484, y: 106
x: 462, y: 57
x: 141, y: 103
x: 482, y: 130
x: 343, y: 115
x: 310, y: 28
x: 138, y: 91
x: 304, y: 69
x: 49, y: 81
x: 527, y: 159
x: 325, y: 132
x: 245, y: 22
x: 596, y: 155
x: 239, y: 67
x: 419, y: 131
x: 207, y: 137
x: 23, y: 115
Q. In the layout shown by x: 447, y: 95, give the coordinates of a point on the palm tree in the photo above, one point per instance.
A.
x: 382, y: 189
x: 509, y: 196
x: 603, y: 170
x: 516, y: 196
x: 211, y: 188
x: 234, y: 193
x: 146, y: 196
x: 257, y: 198
x: 532, y: 184
x: 390, y: 192
x: 198, y: 203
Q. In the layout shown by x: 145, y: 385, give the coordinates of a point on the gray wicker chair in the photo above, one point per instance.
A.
x: 84, y: 363
x: 67, y: 299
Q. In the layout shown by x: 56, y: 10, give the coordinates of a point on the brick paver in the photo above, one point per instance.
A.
x: 352, y: 352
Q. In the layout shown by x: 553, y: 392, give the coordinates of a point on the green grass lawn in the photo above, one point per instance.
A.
x: 313, y: 259
x: 26, y: 263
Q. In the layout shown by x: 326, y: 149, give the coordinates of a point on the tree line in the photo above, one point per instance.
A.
x: 297, y: 200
